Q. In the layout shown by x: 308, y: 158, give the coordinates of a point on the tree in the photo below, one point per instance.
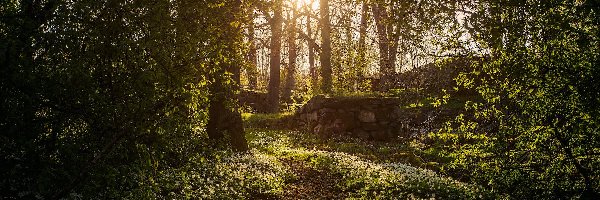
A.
x: 290, y: 82
x: 252, y: 71
x: 387, y: 35
x: 362, y: 47
x: 536, y: 133
x: 275, y: 58
x: 325, y: 56
x: 314, y: 76
x: 98, y: 93
x: 224, y: 117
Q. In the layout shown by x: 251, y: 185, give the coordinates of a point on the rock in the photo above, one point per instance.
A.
x: 348, y: 120
x: 253, y: 99
x: 370, y: 126
x: 312, y: 117
x: 326, y: 115
x: 366, y: 116
x: 317, y: 130
x: 338, y: 126
x: 383, y: 114
x: 363, y: 134
x: 379, y: 135
x: 397, y: 112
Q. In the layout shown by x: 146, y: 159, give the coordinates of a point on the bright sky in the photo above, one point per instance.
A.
x: 314, y: 4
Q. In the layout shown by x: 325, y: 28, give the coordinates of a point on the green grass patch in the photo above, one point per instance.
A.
x: 266, y: 121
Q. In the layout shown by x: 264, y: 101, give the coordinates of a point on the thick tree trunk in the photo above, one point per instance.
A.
x: 236, y: 130
x: 223, y: 120
x: 290, y: 82
x: 235, y: 126
x: 252, y: 71
x: 216, y: 112
x: 325, y: 57
x: 275, y: 60
x: 378, y: 15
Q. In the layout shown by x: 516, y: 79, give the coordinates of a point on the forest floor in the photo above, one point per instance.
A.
x: 348, y: 168
x: 311, y: 183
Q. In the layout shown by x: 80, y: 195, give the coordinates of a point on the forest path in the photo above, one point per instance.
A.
x: 307, y: 179
x: 312, y: 183
x: 308, y: 167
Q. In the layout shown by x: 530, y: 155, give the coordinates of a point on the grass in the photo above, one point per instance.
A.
x: 359, y: 176
x: 269, y: 121
x: 360, y: 169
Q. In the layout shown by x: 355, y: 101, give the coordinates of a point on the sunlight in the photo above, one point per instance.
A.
x: 299, y: 99
x: 312, y: 4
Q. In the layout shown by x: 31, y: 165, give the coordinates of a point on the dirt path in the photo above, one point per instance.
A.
x: 312, y: 183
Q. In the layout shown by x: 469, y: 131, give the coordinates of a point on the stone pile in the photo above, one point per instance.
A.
x: 371, y: 118
x: 257, y: 101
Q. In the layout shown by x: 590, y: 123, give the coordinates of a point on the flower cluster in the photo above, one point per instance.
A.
x: 362, y: 178
x: 234, y: 176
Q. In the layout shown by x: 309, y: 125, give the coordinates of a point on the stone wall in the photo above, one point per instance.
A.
x: 257, y: 101
x: 369, y: 118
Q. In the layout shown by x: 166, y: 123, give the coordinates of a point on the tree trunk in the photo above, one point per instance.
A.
x: 290, y: 82
x: 223, y: 120
x: 393, y: 39
x: 252, y: 71
x: 385, y: 67
x: 362, y: 36
x: 216, y: 110
x: 362, y: 50
x: 378, y: 15
x: 275, y: 59
x: 325, y: 57
x: 311, y: 58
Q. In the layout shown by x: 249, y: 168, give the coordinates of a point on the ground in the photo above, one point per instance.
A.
x: 345, y: 168
x: 311, y: 183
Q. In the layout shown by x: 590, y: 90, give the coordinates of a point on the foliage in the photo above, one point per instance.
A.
x: 224, y: 175
x: 234, y: 176
x: 105, y: 95
x: 536, y: 133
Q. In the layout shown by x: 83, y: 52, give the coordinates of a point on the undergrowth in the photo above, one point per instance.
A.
x: 363, y: 178
x: 359, y: 169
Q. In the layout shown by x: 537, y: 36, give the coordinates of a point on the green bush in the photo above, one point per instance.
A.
x: 536, y: 133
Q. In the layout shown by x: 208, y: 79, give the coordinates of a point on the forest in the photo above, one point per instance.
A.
x: 299, y: 99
